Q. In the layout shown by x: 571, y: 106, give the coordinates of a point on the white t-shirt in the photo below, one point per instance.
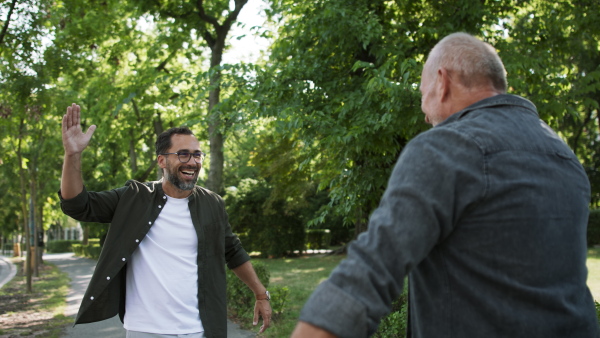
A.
x: 162, y: 276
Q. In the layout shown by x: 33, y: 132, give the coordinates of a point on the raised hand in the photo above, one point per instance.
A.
x: 74, y: 140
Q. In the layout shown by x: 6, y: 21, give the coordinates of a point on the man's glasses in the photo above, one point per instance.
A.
x: 184, y: 156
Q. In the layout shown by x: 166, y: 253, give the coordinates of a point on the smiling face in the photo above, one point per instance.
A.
x: 180, y: 178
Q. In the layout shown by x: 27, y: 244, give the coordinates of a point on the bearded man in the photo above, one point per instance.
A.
x: 162, y: 266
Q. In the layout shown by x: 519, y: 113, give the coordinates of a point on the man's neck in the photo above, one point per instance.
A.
x: 173, y: 191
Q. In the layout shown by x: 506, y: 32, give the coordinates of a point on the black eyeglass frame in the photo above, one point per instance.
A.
x: 197, y: 159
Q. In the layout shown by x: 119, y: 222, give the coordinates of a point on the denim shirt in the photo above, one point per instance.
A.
x: 487, y: 215
x: 132, y: 210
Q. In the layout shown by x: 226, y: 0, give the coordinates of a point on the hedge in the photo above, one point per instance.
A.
x: 318, y: 238
x: 91, y: 250
x: 240, y: 299
x: 60, y: 246
x: 593, y: 230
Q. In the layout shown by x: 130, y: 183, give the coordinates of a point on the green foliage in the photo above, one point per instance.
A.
x: 552, y: 58
x: 342, y: 90
x: 60, y: 246
x: 91, y: 250
x: 272, y: 232
x: 240, y: 299
x: 394, y: 324
x: 318, y: 238
x: 279, y: 300
x: 593, y: 228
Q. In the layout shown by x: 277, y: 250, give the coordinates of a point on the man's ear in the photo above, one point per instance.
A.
x: 444, y: 83
x: 162, y: 162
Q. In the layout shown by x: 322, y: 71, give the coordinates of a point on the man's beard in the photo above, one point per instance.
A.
x: 178, y: 183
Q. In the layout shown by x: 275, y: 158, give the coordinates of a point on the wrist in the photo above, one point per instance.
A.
x: 263, y: 296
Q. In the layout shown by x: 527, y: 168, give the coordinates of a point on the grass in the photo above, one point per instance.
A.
x: 593, y: 265
x: 301, y: 275
x: 41, y: 313
x: 37, y: 314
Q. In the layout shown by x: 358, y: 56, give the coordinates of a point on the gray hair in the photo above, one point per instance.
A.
x: 475, y: 62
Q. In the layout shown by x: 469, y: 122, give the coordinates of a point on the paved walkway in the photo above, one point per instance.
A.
x: 80, y: 271
x: 7, y: 270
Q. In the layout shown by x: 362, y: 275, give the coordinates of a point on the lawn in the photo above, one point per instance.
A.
x: 593, y: 264
x: 39, y: 313
x: 42, y: 311
x: 301, y: 275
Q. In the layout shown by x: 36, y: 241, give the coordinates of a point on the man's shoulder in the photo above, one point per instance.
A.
x: 148, y: 187
x: 204, y: 192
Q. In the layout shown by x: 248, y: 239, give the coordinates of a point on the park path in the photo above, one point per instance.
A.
x: 80, y: 271
x: 7, y: 270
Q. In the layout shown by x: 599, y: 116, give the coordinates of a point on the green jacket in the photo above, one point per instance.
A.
x: 131, y: 210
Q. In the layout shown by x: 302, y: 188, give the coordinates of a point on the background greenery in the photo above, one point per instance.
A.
x: 304, y: 137
x: 315, y: 124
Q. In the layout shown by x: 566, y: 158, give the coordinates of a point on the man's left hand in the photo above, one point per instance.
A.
x: 262, y: 308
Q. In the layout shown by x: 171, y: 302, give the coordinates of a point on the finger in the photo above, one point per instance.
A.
x: 76, y: 115
x: 64, y: 123
x: 266, y: 320
x: 255, y: 320
x: 68, y: 118
x: 90, y: 131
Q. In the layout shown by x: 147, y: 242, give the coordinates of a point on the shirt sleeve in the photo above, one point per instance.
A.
x: 92, y: 206
x: 439, y: 175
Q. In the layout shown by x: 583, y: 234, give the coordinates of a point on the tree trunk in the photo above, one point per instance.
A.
x: 22, y: 179
x: 216, y: 139
x: 216, y: 42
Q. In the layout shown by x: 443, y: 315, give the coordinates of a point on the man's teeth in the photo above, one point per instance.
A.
x: 188, y: 172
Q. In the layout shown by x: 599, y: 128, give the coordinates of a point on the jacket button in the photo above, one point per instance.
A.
x: 164, y: 197
x: 149, y: 222
x: 137, y: 240
x: 92, y: 298
x: 160, y: 206
x: 123, y: 259
x: 107, y: 278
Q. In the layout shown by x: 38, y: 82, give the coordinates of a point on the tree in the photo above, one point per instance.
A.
x: 552, y: 56
x: 212, y: 22
x: 342, y: 88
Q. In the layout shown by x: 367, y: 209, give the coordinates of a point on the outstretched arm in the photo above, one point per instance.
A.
x: 307, y: 330
x: 74, y: 142
x: 246, y: 274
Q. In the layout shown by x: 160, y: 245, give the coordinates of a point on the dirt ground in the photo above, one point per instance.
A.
x: 19, y: 312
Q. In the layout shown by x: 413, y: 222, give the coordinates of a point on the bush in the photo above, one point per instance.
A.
x: 593, y: 229
x: 240, y: 299
x: 597, y: 311
x: 60, y: 246
x: 318, y: 238
x: 89, y: 251
x: 394, y: 324
x: 273, y: 231
x: 279, y: 297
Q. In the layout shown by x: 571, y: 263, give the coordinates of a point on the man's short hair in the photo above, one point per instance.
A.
x: 163, y: 142
x: 475, y: 62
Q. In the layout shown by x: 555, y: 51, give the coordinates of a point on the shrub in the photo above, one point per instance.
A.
x: 60, y: 246
x: 318, y: 238
x: 273, y: 231
x: 89, y: 251
x: 279, y: 297
x: 394, y: 324
x: 240, y: 299
x: 593, y: 229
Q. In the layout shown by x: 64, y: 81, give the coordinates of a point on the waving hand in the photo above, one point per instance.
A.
x: 74, y: 140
